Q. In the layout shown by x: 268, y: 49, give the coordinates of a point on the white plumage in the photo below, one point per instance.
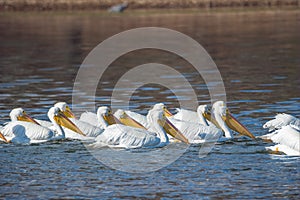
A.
x: 191, y: 116
x: 139, y: 118
x: 142, y: 119
x: 197, y: 129
x: 281, y: 120
x: 27, y: 132
x: 44, y: 123
x: 23, y: 132
x: 118, y: 135
x: 88, y: 129
x: 286, y: 134
x: 196, y: 132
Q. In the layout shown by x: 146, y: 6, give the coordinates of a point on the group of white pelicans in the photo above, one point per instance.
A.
x: 127, y: 129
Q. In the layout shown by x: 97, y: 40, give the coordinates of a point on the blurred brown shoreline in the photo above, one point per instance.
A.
x: 47, y: 5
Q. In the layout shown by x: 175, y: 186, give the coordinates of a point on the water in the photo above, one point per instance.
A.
x: 257, y: 54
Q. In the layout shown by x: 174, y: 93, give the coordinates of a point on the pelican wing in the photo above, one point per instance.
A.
x: 86, y: 128
x: 127, y: 137
x: 287, y: 140
x: 281, y: 120
x: 188, y: 116
x: 196, y: 132
x: 90, y: 118
x: 30, y: 130
x: 287, y: 136
x: 44, y: 123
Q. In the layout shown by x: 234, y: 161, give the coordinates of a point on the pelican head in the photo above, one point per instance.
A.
x: 157, y: 113
x: 106, y: 117
x: 202, y: 109
x: 65, y: 108
x: 125, y: 119
x: 18, y: 114
x: 162, y: 106
x: 220, y: 109
x: 204, y: 114
x: 205, y: 111
x: 57, y: 116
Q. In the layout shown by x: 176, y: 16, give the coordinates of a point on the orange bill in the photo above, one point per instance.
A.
x: 26, y: 118
x: 235, y: 125
x: 69, y: 113
x: 128, y: 121
x: 167, y: 113
x: 172, y: 130
x: 64, y: 121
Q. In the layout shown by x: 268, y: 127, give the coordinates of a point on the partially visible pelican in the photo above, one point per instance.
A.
x: 282, y: 119
x: 91, y: 118
x: 125, y: 119
x: 119, y: 135
x: 25, y: 132
x: 64, y: 107
x: 141, y: 119
x: 197, y: 129
x: 97, y: 119
x: 285, y: 133
x: 195, y: 117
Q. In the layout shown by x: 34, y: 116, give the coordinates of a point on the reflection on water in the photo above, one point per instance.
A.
x: 257, y: 54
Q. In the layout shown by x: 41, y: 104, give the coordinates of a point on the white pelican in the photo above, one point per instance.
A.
x: 222, y: 114
x: 119, y: 135
x: 25, y: 132
x: 89, y: 130
x: 285, y: 134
